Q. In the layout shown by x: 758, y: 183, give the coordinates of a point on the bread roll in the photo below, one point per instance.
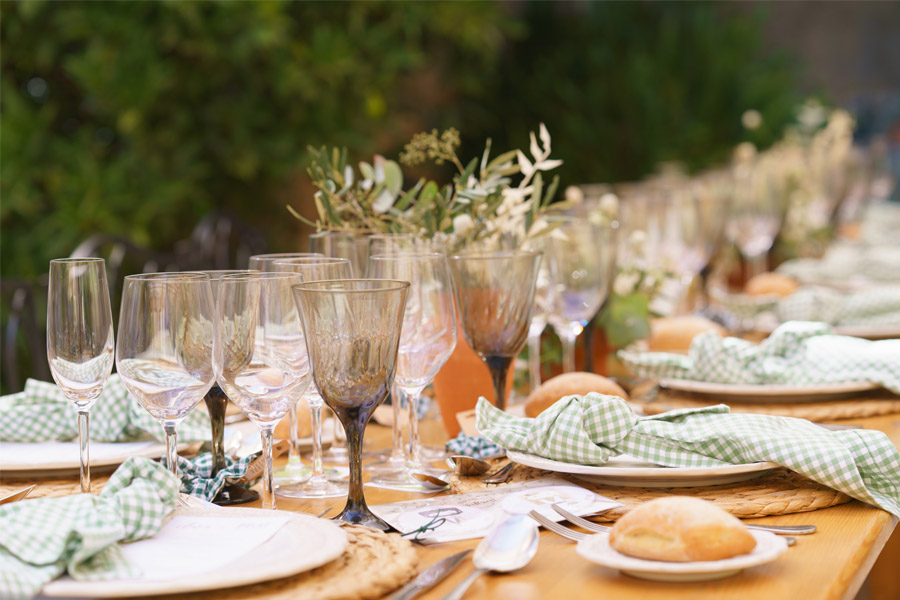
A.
x: 767, y: 284
x: 304, y: 427
x: 675, y: 334
x: 567, y: 384
x: 680, y: 529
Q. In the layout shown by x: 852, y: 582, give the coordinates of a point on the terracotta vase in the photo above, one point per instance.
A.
x: 461, y: 381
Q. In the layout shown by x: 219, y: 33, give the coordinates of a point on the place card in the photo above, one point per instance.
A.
x: 473, y: 515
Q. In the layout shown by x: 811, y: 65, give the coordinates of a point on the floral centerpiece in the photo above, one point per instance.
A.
x: 488, y: 198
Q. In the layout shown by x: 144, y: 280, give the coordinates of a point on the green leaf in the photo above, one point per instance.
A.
x: 626, y: 319
x: 393, y: 177
x: 551, y: 191
x: 407, y: 198
x: 502, y: 158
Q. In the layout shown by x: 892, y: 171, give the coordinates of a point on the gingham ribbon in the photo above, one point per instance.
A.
x: 44, y: 537
x: 797, y: 353
x: 590, y: 429
x: 197, y: 478
x: 41, y: 413
x: 474, y: 446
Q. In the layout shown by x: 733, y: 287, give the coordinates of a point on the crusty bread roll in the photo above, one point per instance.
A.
x: 567, y: 384
x: 675, y: 334
x: 766, y: 284
x: 304, y: 427
x: 680, y: 529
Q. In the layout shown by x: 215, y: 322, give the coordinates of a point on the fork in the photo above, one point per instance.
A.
x: 777, y: 529
x: 556, y: 528
x: 500, y: 475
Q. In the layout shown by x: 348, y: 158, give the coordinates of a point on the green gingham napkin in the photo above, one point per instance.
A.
x: 44, y: 537
x: 471, y: 445
x: 41, y: 413
x: 197, y: 478
x: 847, y: 261
x: 873, y: 307
x: 797, y: 353
x: 590, y: 429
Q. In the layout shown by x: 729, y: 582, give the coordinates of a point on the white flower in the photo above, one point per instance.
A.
x: 609, y: 205
x: 462, y: 224
x: 624, y: 283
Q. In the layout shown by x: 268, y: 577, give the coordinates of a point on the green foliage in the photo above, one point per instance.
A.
x: 139, y: 117
x: 626, y: 318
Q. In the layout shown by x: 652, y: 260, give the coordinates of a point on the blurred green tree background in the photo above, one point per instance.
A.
x: 137, y: 118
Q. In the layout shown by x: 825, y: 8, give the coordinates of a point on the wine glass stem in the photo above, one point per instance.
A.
x: 499, y: 367
x: 216, y: 403
x: 294, y: 451
x: 315, y: 420
x: 267, y: 435
x: 83, y: 446
x: 355, y: 500
x: 756, y: 265
x: 534, y: 358
x: 568, y: 351
x: 171, y: 447
x: 396, y: 431
x: 412, y: 399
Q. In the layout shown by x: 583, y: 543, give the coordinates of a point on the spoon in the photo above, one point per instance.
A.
x: 468, y: 466
x: 430, y: 481
x: 510, y: 546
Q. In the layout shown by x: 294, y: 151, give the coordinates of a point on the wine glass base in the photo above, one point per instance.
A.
x: 362, y: 517
x: 235, y: 494
x: 336, y: 455
x: 386, y: 466
x: 319, y: 488
x: 434, y: 453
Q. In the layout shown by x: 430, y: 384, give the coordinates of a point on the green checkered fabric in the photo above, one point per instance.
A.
x: 590, y: 429
x: 41, y: 413
x: 473, y: 446
x: 847, y: 261
x: 79, y: 534
x: 797, y: 353
x: 197, y: 478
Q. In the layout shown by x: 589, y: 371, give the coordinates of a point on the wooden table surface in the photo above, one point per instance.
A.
x: 830, y: 564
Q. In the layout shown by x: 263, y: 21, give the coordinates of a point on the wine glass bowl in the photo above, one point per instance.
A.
x: 495, y: 297
x: 353, y: 334
x: 80, y: 339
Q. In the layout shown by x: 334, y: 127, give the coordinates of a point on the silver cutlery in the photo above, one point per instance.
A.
x: 510, y: 546
x: 323, y: 513
x: 430, y: 577
x: 777, y: 529
x: 430, y: 481
x: 500, y: 475
x: 468, y: 466
x: 18, y: 495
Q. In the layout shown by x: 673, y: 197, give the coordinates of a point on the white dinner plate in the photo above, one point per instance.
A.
x: 627, y: 471
x: 596, y: 549
x: 770, y: 393
x: 866, y: 332
x: 302, y: 543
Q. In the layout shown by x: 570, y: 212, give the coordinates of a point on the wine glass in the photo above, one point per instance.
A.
x: 427, y: 339
x: 80, y: 340
x: 164, y: 346
x: 352, y: 333
x: 343, y: 244
x: 260, y: 357
x: 754, y: 217
x: 495, y: 296
x: 577, y: 251
x: 315, y: 268
x: 216, y: 404
x: 544, y: 299
x: 391, y: 243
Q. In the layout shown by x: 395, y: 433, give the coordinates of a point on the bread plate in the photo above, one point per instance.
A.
x: 770, y: 393
x: 302, y: 543
x: 596, y: 549
x: 628, y: 471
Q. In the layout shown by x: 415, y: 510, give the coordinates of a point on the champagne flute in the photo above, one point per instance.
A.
x: 315, y: 268
x: 164, y: 346
x: 427, y: 339
x: 352, y: 333
x: 80, y: 340
x: 577, y: 253
x: 260, y: 357
x: 266, y: 264
x: 495, y: 296
x: 216, y: 404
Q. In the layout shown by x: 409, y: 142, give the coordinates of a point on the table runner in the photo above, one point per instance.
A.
x: 590, y: 429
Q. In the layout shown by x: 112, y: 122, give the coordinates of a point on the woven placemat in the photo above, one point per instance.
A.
x: 374, y: 564
x: 781, y: 492
x: 833, y: 410
x: 51, y: 488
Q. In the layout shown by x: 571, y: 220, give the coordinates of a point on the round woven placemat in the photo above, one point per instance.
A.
x: 833, y: 410
x: 781, y: 492
x: 374, y: 564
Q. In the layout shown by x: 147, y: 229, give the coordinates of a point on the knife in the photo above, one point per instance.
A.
x: 430, y: 577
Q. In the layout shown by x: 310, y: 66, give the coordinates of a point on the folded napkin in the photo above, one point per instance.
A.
x: 797, y: 353
x: 470, y: 445
x: 847, y: 261
x: 41, y: 413
x: 197, y: 478
x: 44, y: 537
x: 590, y: 429
x: 873, y: 307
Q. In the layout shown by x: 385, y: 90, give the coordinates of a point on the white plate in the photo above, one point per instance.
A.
x: 303, y: 543
x: 627, y: 471
x: 597, y: 549
x: 46, y: 459
x: 771, y: 393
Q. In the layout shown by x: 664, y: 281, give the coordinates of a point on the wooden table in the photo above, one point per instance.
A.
x: 831, y: 564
